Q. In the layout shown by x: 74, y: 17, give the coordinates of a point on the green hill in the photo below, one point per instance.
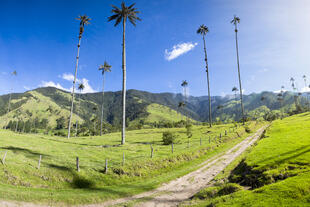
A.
x: 276, y: 172
x: 49, y: 104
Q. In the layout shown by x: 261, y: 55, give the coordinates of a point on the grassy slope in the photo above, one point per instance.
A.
x: 284, y: 152
x: 162, y: 113
x: 40, y: 111
x: 58, y: 181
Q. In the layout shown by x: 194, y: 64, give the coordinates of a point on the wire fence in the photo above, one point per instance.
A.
x: 124, y: 155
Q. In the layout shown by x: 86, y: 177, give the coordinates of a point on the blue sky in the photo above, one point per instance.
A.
x: 38, y: 39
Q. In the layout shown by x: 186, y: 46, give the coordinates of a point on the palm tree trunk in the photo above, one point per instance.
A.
x: 208, y: 80
x: 10, y: 101
x: 75, y: 74
x: 101, y: 120
x: 76, y: 127
x: 241, y: 100
x: 124, y: 84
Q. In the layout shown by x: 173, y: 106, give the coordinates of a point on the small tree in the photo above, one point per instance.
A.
x: 169, y: 138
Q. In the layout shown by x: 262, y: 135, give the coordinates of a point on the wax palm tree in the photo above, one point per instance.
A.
x: 84, y: 20
x: 281, y: 99
x: 103, y: 68
x: 80, y: 88
x: 14, y: 73
x: 305, y: 80
x: 292, y: 80
x: 184, y: 84
x: 235, y: 90
x: 203, y: 30
x: 121, y: 15
x: 236, y: 21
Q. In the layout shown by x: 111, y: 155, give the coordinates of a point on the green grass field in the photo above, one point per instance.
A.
x: 57, y: 180
x: 277, y: 169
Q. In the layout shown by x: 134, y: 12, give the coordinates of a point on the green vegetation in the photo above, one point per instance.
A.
x: 57, y: 180
x: 276, y: 171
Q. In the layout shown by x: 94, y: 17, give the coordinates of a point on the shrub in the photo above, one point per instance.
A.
x: 247, y: 129
x: 189, y: 130
x: 168, y: 138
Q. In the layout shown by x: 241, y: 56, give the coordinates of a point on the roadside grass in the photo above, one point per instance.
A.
x: 58, y: 182
x: 277, y: 169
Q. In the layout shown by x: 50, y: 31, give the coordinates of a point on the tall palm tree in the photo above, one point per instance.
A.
x: 103, y: 68
x: 184, y: 84
x: 80, y: 88
x: 236, y: 21
x: 292, y: 80
x: 84, y: 20
x: 235, y: 89
x: 14, y: 73
x: 121, y: 15
x: 306, y: 91
x: 203, y: 30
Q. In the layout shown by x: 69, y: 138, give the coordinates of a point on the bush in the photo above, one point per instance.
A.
x: 247, y: 129
x: 168, y: 138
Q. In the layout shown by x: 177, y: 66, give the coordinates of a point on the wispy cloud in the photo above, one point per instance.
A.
x: 67, y: 76
x: 52, y: 84
x: 27, y: 88
x: 178, y: 50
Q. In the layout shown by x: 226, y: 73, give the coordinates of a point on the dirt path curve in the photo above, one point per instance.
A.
x: 181, y: 189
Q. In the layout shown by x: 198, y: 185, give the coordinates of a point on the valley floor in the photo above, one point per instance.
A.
x: 182, y: 188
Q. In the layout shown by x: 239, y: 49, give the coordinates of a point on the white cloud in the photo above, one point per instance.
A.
x: 87, y: 87
x: 67, y: 76
x: 52, y: 84
x: 178, y: 50
x: 27, y: 88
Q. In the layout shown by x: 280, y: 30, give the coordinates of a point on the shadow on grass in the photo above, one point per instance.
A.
x: 286, y: 156
x: 24, y: 151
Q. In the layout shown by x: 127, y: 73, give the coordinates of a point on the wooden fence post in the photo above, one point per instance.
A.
x: 4, y: 156
x: 39, y: 163
x: 106, y: 166
x: 77, y: 164
x: 172, y: 147
x: 225, y: 132
x: 220, y: 135
x: 152, y: 150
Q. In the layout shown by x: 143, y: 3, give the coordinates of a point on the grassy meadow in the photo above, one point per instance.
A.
x: 57, y: 180
x: 275, y: 172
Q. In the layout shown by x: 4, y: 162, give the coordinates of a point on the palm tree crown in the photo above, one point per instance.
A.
x: 234, y: 89
x: 181, y: 104
x: 184, y: 83
x: 14, y: 72
x: 123, y: 13
x: 203, y: 30
x: 105, y: 67
x: 81, y: 87
x: 235, y: 20
x: 84, y: 20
